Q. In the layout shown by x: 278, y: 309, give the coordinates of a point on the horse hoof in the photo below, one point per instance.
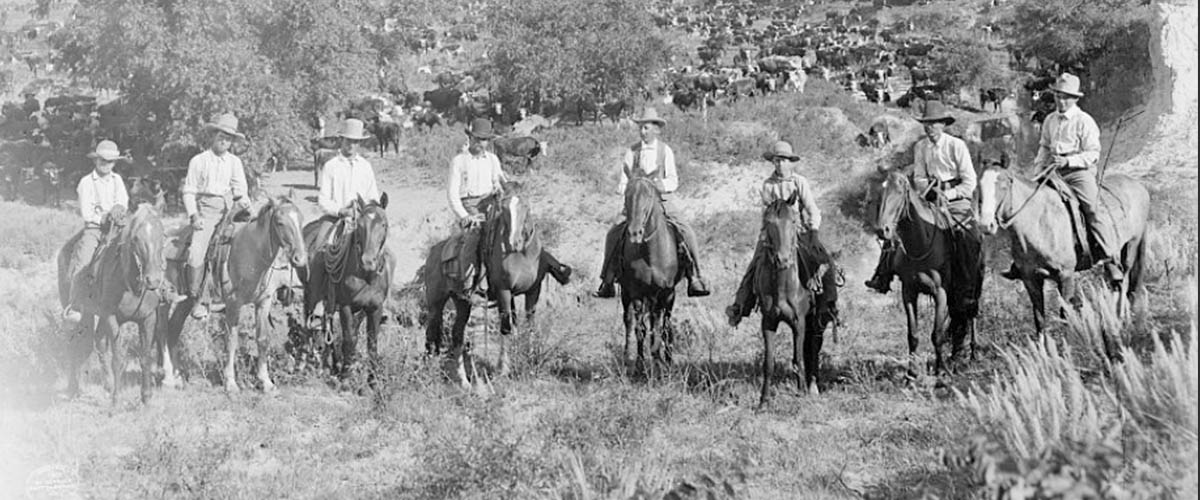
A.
x: 813, y: 390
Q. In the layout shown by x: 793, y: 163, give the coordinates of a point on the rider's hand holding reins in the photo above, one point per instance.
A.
x: 197, y: 223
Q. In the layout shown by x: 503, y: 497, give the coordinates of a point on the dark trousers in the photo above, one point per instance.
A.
x: 1087, y: 191
x: 684, y: 236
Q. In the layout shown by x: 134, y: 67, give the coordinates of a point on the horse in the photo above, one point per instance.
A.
x: 352, y: 277
x: 254, y: 268
x: 129, y: 274
x: 1042, y: 242
x: 649, y: 271
x: 516, y: 265
x: 783, y: 298
x: 924, y: 268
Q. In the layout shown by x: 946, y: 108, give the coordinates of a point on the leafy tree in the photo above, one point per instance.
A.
x: 545, y: 49
x: 965, y: 61
x: 1071, y: 32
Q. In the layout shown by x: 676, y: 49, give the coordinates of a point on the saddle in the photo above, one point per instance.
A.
x: 1079, y: 228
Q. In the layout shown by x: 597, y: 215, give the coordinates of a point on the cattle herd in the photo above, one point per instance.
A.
x: 747, y: 50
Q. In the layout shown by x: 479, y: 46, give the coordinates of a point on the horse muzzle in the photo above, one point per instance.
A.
x: 299, y: 259
x: 636, y: 236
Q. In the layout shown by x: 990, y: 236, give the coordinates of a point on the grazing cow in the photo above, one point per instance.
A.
x: 387, y: 133
x: 519, y: 148
x: 426, y: 118
x: 614, y: 109
x: 994, y: 95
x: 685, y: 99
x: 742, y: 87
x: 443, y: 100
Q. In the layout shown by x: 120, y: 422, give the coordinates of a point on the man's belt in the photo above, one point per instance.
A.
x: 209, y: 195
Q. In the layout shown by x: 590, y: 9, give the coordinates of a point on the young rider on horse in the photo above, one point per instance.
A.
x: 1070, y: 145
x: 942, y: 171
x: 102, y: 201
x: 345, y: 177
x: 814, y: 258
x: 215, y: 177
x: 475, y: 176
x: 650, y: 157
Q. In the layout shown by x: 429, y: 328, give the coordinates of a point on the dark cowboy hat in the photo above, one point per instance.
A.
x: 935, y: 111
x: 782, y: 149
x: 481, y: 128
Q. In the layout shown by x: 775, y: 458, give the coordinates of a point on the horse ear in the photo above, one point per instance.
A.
x: 291, y: 194
x: 383, y: 200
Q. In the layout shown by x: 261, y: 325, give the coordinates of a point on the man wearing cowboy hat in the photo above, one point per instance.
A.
x: 215, y: 177
x: 348, y: 175
x: 1070, y: 145
x: 650, y: 157
x: 102, y: 198
x: 475, y: 175
x: 942, y: 170
x: 814, y: 258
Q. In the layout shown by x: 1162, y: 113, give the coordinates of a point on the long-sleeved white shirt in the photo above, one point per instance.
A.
x: 99, y: 194
x: 946, y: 160
x: 1072, y: 134
x: 209, y: 174
x: 472, y: 176
x: 648, y: 162
x: 805, y: 203
x: 343, y: 180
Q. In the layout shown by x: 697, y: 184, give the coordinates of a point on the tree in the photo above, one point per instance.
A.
x: 545, y: 49
x: 1073, y: 32
x: 965, y: 61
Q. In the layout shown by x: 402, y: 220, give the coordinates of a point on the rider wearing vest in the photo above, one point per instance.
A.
x: 475, y: 175
x: 345, y: 178
x: 102, y: 201
x: 813, y: 256
x: 943, y: 172
x: 215, y: 177
x: 652, y: 158
x: 1070, y: 145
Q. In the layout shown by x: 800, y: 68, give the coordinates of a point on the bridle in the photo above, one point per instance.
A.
x: 647, y: 211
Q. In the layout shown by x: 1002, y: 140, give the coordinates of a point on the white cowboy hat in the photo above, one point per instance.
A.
x: 107, y: 151
x: 782, y: 149
x: 227, y: 123
x: 650, y: 115
x: 1068, y: 84
x: 353, y: 129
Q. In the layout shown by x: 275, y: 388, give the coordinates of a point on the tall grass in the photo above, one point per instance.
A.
x: 33, y: 235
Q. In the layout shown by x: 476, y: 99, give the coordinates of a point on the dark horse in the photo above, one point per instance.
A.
x: 352, y: 276
x: 128, y: 277
x: 1042, y: 242
x: 257, y: 264
x: 516, y: 265
x: 649, y: 271
x: 924, y: 266
x: 783, y: 298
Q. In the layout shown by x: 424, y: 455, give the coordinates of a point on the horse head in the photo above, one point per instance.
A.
x: 371, y: 231
x: 995, y: 192
x: 285, y: 226
x: 142, y: 241
x: 779, y: 231
x: 643, y: 206
x: 893, y: 204
x: 512, y: 224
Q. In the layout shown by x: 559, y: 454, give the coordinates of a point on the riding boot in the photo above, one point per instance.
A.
x: 607, y: 290
x: 881, y: 281
x: 196, y: 292
x: 696, y: 285
x: 1012, y: 273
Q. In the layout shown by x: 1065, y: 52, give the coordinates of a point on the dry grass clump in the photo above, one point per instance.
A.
x: 33, y: 235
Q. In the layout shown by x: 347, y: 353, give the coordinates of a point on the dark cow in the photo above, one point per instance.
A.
x: 443, y: 100
x: 513, y: 149
x: 386, y: 134
x: 614, y: 109
x: 994, y: 95
x: 875, y: 91
x: 685, y: 99
x: 425, y: 118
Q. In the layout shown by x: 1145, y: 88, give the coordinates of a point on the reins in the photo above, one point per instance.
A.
x: 1004, y: 222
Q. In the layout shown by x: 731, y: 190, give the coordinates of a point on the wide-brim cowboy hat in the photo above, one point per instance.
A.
x: 650, y: 115
x: 226, y: 123
x: 935, y: 111
x: 1067, y: 84
x: 107, y: 151
x: 781, y: 149
x: 481, y: 128
x: 353, y: 129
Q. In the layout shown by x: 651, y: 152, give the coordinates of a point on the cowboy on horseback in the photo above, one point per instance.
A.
x: 215, y: 180
x: 652, y: 158
x: 814, y: 258
x: 102, y: 204
x: 345, y: 178
x: 1070, y: 147
x: 475, y: 177
x: 944, y: 175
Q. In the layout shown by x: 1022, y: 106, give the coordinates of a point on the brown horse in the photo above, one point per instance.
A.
x: 516, y: 265
x: 924, y: 267
x: 648, y: 273
x: 257, y: 265
x: 783, y: 299
x: 128, y: 276
x: 352, y: 277
x: 1042, y: 242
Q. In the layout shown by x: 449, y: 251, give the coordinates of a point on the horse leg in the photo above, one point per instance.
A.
x: 147, y: 327
x: 433, y: 324
x: 814, y: 336
x: 797, y: 326
x: 83, y: 343
x: 940, y: 318
x: 167, y: 346
x: 262, y: 325
x: 630, y: 325
x: 232, y: 311
x: 909, y: 295
x: 769, y: 324
x: 349, y: 339
x: 1034, y: 286
x: 374, y: 318
x: 462, y: 312
x: 504, y: 301
x: 114, y: 346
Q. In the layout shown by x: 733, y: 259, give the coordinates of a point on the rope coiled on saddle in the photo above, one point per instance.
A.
x: 337, y: 252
